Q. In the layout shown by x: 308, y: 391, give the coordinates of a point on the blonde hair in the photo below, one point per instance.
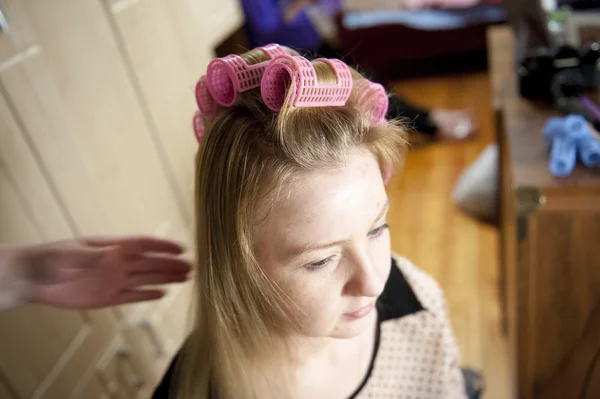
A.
x: 247, y: 154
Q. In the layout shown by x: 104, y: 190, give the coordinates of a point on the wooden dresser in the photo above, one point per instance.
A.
x: 550, y: 248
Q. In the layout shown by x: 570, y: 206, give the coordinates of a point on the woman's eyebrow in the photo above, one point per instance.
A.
x: 385, y: 208
x: 315, y: 247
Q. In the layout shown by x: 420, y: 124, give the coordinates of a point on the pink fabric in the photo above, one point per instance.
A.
x: 388, y: 176
x: 377, y: 5
x: 420, y: 4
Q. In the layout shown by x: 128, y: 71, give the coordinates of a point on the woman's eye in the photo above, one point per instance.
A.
x: 320, y: 264
x: 377, y: 231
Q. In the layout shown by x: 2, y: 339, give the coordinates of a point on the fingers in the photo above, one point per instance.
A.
x: 134, y: 245
x: 155, y: 279
x: 138, y: 296
x: 160, y: 264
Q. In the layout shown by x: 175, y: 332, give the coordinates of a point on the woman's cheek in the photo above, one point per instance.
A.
x: 320, y: 312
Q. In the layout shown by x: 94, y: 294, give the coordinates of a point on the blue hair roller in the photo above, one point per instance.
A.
x: 589, y: 150
x: 553, y: 127
x: 570, y: 137
x: 563, y: 155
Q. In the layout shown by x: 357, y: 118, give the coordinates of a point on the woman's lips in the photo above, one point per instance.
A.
x: 360, y: 313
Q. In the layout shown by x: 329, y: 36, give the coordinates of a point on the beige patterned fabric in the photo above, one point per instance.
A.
x: 417, y: 356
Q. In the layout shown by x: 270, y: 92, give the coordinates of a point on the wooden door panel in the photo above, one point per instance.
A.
x: 15, y: 224
x: 120, y: 370
x: 158, y: 335
x: 76, y: 100
x: 60, y: 333
x: 23, y: 169
x: 91, y: 340
x: 19, y: 39
x: 166, y: 79
x: 169, y: 45
x: 6, y: 392
x: 43, y: 350
x: 564, y: 300
x: 91, y: 388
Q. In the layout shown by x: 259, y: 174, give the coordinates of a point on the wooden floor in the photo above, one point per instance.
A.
x: 459, y: 252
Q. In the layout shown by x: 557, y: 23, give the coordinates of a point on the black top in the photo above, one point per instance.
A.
x: 397, y: 300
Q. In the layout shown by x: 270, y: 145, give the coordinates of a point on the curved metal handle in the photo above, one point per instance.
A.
x: 3, y: 23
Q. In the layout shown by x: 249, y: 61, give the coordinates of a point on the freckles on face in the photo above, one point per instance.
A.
x: 334, y: 206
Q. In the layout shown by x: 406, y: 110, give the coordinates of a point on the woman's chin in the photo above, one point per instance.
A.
x: 349, y: 327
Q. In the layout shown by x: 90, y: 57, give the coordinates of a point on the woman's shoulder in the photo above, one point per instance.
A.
x: 166, y: 387
x: 426, y: 288
x: 415, y: 349
x: 409, y: 290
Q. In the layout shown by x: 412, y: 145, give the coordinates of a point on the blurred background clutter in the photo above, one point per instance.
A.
x: 499, y: 199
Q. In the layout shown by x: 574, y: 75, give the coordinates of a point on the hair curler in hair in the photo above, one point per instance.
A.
x: 206, y: 103
x: 230, y: 75
x: 388, y: 175
x: 375, y: 96
x: 198, y: 125
x: 307, y: 92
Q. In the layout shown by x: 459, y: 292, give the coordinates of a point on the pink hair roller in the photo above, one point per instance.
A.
x: 308, y: 92
x: 230, y: 75
x: 388, y: 176
x: 198, y: 126
x: 375, y: 96
x: 207, y: 105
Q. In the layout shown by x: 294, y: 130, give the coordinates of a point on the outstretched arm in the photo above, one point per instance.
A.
x: 89, y: 273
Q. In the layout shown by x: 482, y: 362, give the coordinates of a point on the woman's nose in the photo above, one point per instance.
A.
x: 364, y: 279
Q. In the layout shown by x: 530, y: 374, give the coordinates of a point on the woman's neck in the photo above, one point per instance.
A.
x: 309, y: 350
x: 318, y: 361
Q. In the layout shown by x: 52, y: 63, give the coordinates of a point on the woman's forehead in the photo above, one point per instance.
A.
x: 323, y: 202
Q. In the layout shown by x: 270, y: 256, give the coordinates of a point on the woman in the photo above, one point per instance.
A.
x: 298, y: 294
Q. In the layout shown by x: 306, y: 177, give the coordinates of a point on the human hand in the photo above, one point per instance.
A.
x: 90, y: 273
x: 295, y: 7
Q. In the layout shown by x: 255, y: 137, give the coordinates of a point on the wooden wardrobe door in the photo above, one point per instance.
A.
x: 159, y: 334
x: 46, y: 352
x: 43, y: 351
x: 169, y: 44
x: 6, y: 392
x: 76, y: 157
x: 203, y: 25
x: 83, y: 116
x: 120, y: 371
x: 152, y: 41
